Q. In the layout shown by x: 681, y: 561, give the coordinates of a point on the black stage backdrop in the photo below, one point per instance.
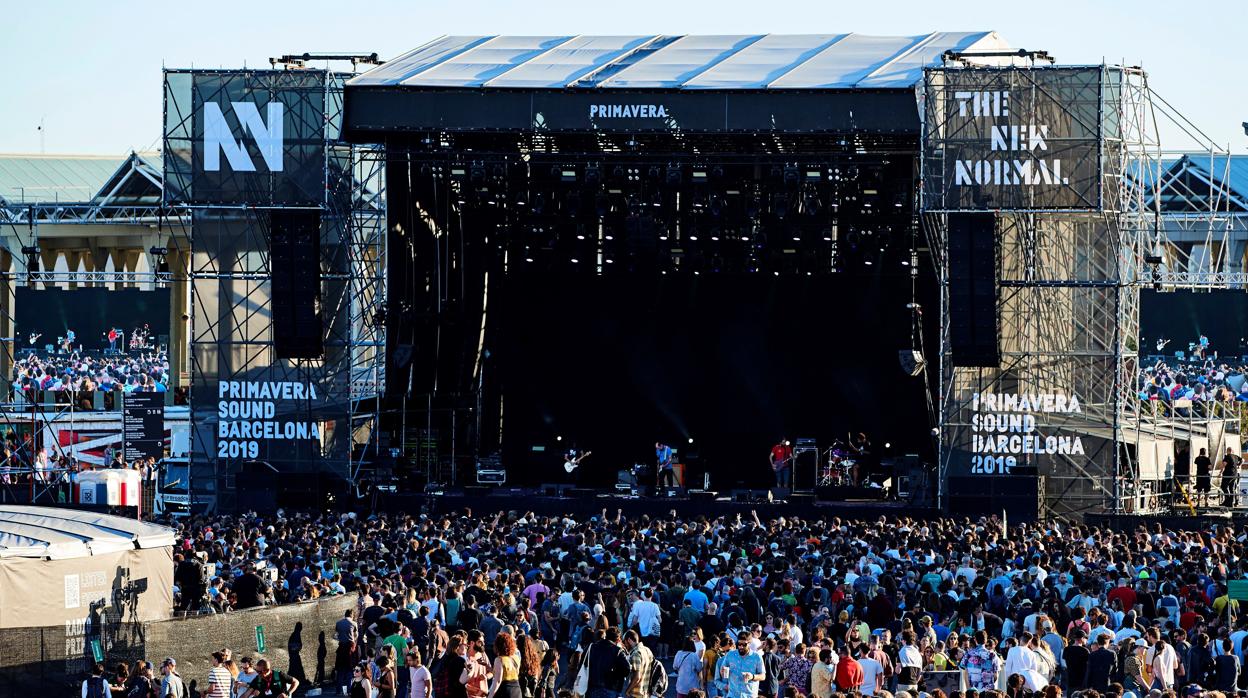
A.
x: 735, y: 362
x: 89, y: 312
x: 1182, y: 316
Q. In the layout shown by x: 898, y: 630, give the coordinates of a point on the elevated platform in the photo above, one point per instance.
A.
x: 586, y: 503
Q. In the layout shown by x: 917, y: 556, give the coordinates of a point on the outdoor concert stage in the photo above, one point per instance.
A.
x: 593, y: 249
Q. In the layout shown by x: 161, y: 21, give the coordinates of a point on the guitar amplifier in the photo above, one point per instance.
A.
x: 490, y: 471
x: 488, y: 476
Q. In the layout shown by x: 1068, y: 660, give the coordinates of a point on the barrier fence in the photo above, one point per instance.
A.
x: 298, y: 639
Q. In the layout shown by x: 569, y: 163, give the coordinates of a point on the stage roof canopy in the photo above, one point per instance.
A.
x: 637, y: 84
x: 732, y: 62
x: 48, y: 532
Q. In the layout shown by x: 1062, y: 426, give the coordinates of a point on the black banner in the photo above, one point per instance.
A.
x: 143, y: 425
x: 371, y: 111
x: 253, y: 137
x: 1013, y: 139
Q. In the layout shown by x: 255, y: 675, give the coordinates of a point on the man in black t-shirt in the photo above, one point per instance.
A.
x: 1203, y: 481
x: 1230, y: 477
x: 1101, y: 664
x: 1075, y: 657
x: 250, y: 589
x: 1226, y: 668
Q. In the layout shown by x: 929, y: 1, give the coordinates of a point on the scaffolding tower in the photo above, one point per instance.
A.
x: 228, y: 218
x: 1070, y: 263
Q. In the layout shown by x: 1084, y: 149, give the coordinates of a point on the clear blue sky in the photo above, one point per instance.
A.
x: 91, y: 70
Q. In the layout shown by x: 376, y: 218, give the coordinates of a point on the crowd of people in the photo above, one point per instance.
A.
x: 1205, y: 383
x: 76, y: 373
x: 529, y: 606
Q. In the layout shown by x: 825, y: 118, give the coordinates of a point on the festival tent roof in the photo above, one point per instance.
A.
x: 720, y: 62
x: 55, y: 533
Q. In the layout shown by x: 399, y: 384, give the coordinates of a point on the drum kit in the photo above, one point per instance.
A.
x: 837, y: 469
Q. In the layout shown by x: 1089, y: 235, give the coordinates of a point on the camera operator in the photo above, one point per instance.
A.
x: 251, y: 589
x: 189, y: 575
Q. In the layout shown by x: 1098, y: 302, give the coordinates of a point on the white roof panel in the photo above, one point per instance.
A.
x: 848, y: 61
x: 680, y: 61
x: 27, y: 531
x: 907, y: 69
x: 565, y: 63
x: 485, y: 61
x: 743, y: 62
x: 399, y: 69
x: 765, y: 60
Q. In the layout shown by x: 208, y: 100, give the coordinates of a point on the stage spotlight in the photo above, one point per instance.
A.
x: 558, y: 438
x: 528, y: 259
x: 690, y: 439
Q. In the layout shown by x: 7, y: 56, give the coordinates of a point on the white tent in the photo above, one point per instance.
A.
x: 63, y: 565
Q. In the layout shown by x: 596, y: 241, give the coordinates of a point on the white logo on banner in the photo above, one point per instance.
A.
x: 218, y: 138
x: 1017, y: 148
x: 627, y: 111
x: 73, y: 599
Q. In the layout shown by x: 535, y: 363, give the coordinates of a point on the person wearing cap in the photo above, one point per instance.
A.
x: 1135, y: 669
x: 171, y: 685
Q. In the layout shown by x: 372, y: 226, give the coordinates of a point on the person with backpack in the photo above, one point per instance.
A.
x: 95, y: 685
x: 141, y: 684
x: 171, y: 685
x: 271, y: 683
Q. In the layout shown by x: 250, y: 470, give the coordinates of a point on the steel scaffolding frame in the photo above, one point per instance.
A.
x: 230, y: 295
x: 1068, y: 306
x: 1069, y: 301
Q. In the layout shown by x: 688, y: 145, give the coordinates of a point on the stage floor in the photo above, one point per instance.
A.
x: 582, y: 505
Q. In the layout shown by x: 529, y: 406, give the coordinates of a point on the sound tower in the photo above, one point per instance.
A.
x: 295, y: 269
x: 973, y: 290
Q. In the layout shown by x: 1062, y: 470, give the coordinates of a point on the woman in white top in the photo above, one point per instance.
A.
x: 688, y: 666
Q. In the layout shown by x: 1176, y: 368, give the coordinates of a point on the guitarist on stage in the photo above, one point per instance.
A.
x: 572, y: 460
x: 782, y: 463
x: 663, y: 460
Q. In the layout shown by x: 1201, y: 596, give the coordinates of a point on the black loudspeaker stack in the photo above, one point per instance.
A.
x: 973, y: 290
x: 295, y: 268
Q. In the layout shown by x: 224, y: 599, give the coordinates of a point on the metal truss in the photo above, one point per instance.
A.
x: 1068, y: 310
x: 231, y: 279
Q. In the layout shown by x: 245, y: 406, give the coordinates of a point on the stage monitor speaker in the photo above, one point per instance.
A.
x: 295, y: 270
x: 973, y: 290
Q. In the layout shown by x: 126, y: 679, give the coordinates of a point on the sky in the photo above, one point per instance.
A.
x: 89, y: 72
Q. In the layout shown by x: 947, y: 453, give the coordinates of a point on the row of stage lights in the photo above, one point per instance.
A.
x: 816, y: 219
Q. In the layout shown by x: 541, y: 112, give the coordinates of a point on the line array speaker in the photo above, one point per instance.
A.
x: 295, y: 268
x: 973, y: 290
